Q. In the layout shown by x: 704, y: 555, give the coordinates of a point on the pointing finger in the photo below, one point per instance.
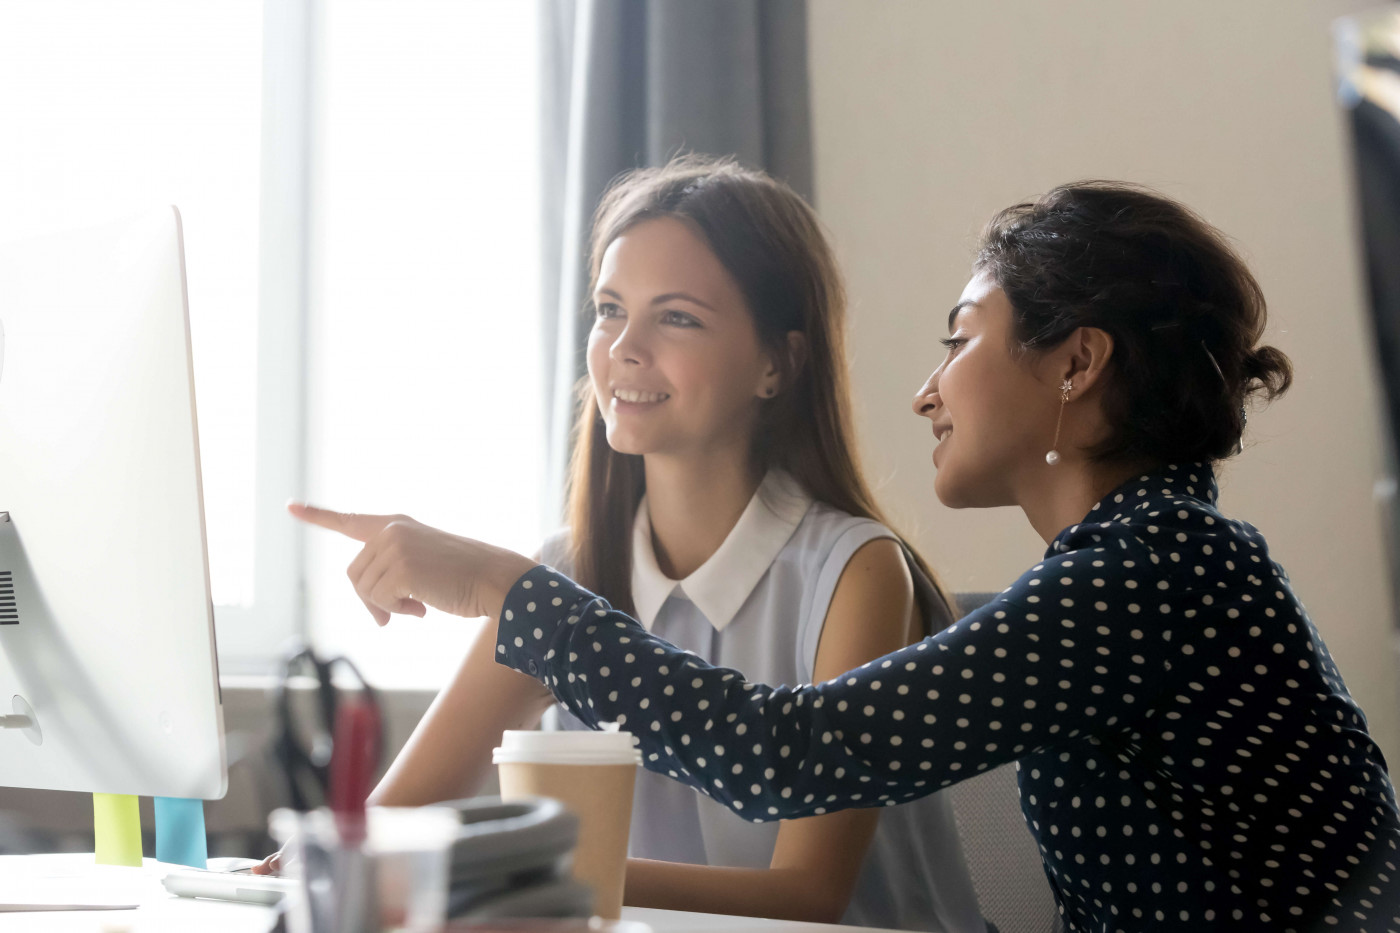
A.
x: 360, y: 527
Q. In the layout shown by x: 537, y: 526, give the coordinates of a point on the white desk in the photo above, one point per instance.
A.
x: 681, y: 921
x: 161, y: 911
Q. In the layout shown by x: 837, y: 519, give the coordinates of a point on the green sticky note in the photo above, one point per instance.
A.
x: 116, y: 823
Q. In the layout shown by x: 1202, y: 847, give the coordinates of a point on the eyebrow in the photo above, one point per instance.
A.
x: 953, y: 314
x: 662, y: 299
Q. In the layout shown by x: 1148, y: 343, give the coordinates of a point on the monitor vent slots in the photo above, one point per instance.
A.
x: 9, y: 612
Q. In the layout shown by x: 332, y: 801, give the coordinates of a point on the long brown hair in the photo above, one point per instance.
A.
x: 771, y: 242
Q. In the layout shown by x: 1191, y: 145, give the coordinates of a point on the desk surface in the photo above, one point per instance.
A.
x: 161, y: 911
x: 681, y: 921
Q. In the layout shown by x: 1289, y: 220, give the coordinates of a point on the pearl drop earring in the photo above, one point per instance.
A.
x: 1053, y: 457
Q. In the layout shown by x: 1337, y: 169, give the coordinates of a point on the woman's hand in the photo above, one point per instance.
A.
x: 272, y: 865
x: 406, y: 566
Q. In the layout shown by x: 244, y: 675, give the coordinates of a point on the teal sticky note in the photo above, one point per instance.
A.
x: 180, y: 838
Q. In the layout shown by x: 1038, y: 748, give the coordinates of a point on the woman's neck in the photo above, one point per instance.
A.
x: 1063, y: 494
x: 694, y: 503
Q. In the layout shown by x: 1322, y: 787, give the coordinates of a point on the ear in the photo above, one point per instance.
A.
x: 778, y: 377
x: 1083, y: 358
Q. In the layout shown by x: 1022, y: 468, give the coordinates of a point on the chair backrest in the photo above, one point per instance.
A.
x: 1002, y: 857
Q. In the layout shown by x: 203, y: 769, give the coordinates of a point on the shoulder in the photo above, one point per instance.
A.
x: 875, y: 569
x: 858, y: 568
x: 843, y: 539
x: 831, y: 538
x: 868, y: 612
x: 1175, y: 539
x: 826, y: 530
x: 826, y: 540
x: 1152, y: 559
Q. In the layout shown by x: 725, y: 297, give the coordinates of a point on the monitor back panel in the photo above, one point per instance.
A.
x: 108, y: 634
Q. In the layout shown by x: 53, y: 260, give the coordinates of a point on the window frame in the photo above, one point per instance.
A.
x: 252, y: 638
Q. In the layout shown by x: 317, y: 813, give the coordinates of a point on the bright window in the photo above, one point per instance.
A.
x: 111, y: 109
x: 411, y: 178
x: 424, y: 338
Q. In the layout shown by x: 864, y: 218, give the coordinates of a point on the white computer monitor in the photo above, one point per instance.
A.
x: 106, y: 622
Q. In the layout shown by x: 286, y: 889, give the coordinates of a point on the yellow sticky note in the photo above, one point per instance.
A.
x: 116, y: 822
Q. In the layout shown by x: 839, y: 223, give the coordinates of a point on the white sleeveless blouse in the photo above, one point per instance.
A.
x: 758, y: 605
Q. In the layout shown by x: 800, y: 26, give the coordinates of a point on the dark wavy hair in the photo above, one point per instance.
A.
x: 1185, y: 313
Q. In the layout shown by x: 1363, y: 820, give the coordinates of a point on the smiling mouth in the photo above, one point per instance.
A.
x: 942, y: 434
x: 637, y: 397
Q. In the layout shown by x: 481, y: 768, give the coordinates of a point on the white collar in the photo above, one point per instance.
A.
x: 723, y: 583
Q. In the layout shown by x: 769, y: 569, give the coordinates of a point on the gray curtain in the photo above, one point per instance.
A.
x: 630, y: 83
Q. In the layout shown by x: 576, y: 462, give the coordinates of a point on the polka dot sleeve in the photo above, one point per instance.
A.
x: 1043, y: 662
x: 1188, y: 753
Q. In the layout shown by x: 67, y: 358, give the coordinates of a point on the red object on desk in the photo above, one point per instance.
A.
x: 354, y: 755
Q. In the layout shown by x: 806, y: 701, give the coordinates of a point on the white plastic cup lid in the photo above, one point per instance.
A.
x: 611, y: 747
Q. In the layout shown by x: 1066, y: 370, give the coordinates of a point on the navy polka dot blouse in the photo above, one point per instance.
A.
x: 1188, y: 754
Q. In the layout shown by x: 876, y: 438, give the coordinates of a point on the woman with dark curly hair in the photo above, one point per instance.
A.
x: 1189, y: 755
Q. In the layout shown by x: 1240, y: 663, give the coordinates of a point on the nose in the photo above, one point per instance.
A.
x: 926, y: 400
x: 630, y: 345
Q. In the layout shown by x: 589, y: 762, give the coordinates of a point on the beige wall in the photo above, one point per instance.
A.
x: 929, y: 116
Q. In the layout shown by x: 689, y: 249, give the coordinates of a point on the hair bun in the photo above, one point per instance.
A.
x: 1269, y: 372
x: 1184, y: 311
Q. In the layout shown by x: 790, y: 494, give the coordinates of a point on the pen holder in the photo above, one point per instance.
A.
x: 390, y: 874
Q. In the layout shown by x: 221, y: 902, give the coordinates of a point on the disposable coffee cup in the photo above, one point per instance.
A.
x: 592, y: 773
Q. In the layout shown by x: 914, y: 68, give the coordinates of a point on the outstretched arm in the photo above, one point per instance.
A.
x: 1049, y: 659
x: 1052, y: 657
